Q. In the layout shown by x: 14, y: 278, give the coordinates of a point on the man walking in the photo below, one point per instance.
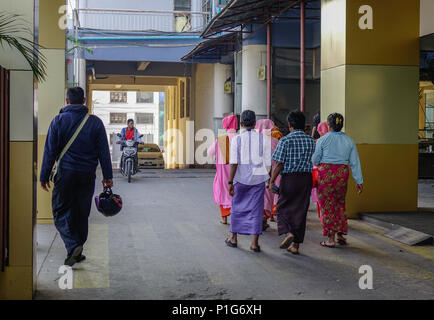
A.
x: 74, y: 183
x: 294, y: 155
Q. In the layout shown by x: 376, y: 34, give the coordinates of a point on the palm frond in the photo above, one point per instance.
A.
x: 12, y: 25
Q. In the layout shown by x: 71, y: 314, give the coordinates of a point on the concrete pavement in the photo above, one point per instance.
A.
x: 167, y: 243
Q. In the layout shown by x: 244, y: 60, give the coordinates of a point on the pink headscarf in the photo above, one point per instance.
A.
x: 323, y: 128
x: 230, y: 123
x: 264, y: 125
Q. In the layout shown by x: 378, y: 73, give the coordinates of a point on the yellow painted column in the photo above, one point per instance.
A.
x: 370, y: 74
x: 18, y: 281
x: 51, y: 93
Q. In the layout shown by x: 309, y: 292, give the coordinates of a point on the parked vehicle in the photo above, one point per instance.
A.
x: 129, y: 159
x: 150, y: 156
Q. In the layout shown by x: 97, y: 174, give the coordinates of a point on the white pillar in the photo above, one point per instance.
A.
x: 223, y: 102
x: 254, y: 91
x: 81, y: 74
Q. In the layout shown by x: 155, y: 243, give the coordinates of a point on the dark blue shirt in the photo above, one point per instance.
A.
x: 89, y: 147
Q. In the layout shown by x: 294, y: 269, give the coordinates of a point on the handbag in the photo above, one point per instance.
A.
x: 65, y: 149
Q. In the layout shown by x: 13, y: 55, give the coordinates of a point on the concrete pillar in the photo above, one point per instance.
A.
x: 370, y: 74
x: 51, y: 93
x: 254, y: 91
x: 80, y: 74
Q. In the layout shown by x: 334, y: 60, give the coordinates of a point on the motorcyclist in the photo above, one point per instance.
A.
x: 130, y: 133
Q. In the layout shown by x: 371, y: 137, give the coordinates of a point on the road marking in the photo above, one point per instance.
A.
x: 94, y: 271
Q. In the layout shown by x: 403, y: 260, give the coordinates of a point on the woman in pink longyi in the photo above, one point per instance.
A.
x: 220, y: 151
x: 265, y: 126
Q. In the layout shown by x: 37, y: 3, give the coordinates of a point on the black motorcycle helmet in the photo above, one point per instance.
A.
x: 108, y: 203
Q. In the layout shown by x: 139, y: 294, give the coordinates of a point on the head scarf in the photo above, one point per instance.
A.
x: 275, y: 133
x: 264, y: 125
x: 230, y: 123
x: 323, y: 128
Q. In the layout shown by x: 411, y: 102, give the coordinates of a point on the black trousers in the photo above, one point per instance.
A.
x: 71, y: 203
x: 293, y: 204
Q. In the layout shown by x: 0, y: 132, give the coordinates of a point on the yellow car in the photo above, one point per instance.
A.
x: 150, y: 156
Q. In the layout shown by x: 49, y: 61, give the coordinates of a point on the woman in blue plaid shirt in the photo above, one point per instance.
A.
x: 294, y: 154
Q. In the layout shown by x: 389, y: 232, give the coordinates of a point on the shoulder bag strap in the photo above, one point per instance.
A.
x: 70, y: 142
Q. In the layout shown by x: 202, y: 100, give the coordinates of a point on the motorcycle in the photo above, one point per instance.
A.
x: 129, y: 160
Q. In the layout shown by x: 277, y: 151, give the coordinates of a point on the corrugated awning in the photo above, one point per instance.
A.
x: 245, y: 17
x: 240, y: 13
x: 214, y: 49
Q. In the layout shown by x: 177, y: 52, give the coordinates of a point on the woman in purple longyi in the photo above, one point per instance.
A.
x: 249, y: 157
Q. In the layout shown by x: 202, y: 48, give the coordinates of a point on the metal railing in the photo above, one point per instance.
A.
x: 140, y: 20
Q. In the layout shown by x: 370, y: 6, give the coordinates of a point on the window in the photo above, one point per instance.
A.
x: 145, y: 97
x: 182, y: 5
x: 182, y: 20
x: 118, y: 97
x: 117, y: 118
x: 145, y: 118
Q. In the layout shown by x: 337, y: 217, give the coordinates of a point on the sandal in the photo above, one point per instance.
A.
x: 287, y: 242
x: 324, y: 244
x: 258, y: 249
x: 341, y: 240
x: 222, y: 222
x: 230, y: 243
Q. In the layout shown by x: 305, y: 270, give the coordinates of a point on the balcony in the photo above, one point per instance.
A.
x: 129, y: 20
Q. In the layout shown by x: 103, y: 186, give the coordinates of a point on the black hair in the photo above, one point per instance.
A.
x: 248, y: 118
x: 75, y: 95
x: 130, y: 120
x: 297, y: 119
x: 336, y: 121
x: 317, y: 119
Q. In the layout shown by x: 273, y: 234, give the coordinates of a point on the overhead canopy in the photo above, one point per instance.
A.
x: 213, y: 49
x: 240, y: 13
x: 242, y: 18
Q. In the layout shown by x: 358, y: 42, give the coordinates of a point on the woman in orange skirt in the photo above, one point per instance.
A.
x: 220, y: 150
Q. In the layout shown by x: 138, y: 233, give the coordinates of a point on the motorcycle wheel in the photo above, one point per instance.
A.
x: 129, y: 170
